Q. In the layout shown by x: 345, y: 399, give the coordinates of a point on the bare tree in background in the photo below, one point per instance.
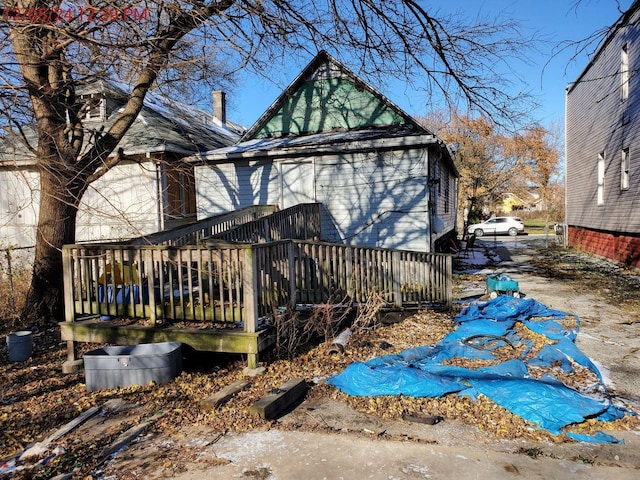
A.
x: 493, y: 162
x: 485, y: 160
x: 50, y: 47
x: 539, y: 152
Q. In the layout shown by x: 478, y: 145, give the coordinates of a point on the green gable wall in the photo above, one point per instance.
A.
x: 329, y: 104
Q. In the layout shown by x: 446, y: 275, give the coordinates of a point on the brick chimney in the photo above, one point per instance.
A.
x: 219, y: 106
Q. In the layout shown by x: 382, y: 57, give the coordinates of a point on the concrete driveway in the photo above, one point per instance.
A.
x: 313, y: 456
x: 609, y: 335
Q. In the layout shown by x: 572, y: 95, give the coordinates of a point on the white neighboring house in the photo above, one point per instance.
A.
x: 381, y: 178
x: 150, y: 190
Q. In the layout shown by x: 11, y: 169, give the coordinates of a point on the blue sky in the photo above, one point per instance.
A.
x: 546, y: 77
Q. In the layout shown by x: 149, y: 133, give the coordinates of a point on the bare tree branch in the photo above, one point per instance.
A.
x: 52, y: 48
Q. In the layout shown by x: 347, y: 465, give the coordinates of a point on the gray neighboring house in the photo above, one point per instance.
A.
x: 603, y: 147
x: 382, y: 179
x: 150, y: 190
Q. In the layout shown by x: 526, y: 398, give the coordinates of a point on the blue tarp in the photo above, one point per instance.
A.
x: 547, y: 402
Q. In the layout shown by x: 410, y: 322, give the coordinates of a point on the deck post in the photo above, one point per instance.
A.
x: 250, y: 300
x: 396, y: 262
x: 291, y: 261
x: 250, y: 289
x: 72, y: 364
x: 252, y: 361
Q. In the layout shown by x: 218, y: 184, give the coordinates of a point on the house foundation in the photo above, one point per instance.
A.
x: 620, y: 248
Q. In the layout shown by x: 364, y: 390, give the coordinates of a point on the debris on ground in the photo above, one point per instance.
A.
x: 36, y: 399
x: 516, y: 352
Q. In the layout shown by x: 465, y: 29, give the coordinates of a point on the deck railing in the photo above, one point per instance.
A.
x: 241, y: 283
x: 291, y: 273
x: 194, y: 232
x: 300, y: 222
x: 187, y: 283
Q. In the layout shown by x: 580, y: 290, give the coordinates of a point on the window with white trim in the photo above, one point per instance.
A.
x: 624, y: 72
x: 600, y: 196
x: 624, y: 169
x: 95, y: 107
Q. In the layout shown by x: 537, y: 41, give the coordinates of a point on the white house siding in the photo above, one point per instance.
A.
x: 297, y: 184
x: 125, y: 205
x: 375, y: 199
x: 598, y: 121
x: 19, y: 203
x: 121, y: 204
x: 444, y: 198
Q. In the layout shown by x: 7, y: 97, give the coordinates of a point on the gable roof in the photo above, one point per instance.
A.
x: 327, y: 97
x: 327, y: 109
x: 613, y: 30
x: 163, y: 125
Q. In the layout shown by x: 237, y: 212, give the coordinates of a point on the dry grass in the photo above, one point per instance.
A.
x: 14, y: 285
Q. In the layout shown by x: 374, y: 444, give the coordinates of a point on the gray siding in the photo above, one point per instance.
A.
x: 375, y: 199
x: 378, y: 199
x: 226, y: 187
x: 597, y: 120
x: 444, y: 197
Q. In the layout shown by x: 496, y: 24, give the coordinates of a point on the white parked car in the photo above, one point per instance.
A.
x: 497, y: 226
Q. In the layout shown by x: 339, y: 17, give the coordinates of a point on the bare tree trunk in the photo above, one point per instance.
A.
x: 56, y: 227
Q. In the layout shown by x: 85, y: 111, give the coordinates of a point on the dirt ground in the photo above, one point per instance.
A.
x: 606, y: 298
x: 167, y: 432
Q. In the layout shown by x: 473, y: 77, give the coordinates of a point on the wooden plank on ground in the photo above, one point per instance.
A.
x: 80, y: 419
x: 223, y: 396
x: 278, y: 400
x: 39, y: 448
x: 127, y: 437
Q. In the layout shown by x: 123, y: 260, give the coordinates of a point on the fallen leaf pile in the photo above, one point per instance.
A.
x: 36, y: 398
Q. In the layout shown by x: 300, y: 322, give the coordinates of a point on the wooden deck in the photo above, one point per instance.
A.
x: 208, y: 339
x: 229, y: 289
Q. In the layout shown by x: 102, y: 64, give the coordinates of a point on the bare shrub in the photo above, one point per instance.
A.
x: 296, y: 330
x: 368, y: 314
x: 326, y: 319
x: 287, y: 333
x: 15, y: 278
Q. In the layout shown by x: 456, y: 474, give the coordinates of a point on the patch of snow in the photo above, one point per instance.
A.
x: 604, y: 372
x: 413, y: 469
x: 234, y: 447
